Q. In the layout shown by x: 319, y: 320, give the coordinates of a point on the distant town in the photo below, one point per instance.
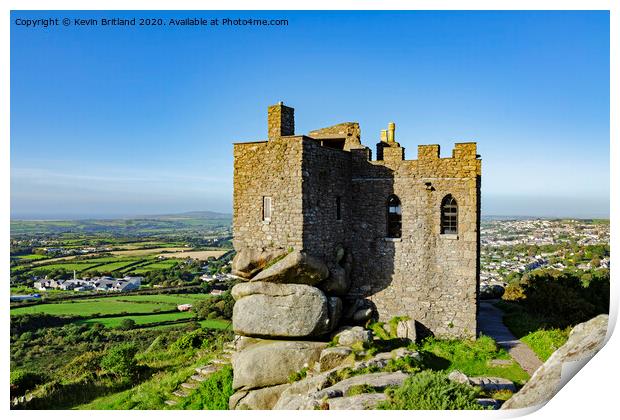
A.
x: 510, y: 248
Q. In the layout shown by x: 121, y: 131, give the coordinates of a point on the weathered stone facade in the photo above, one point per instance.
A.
x: 327, y: 195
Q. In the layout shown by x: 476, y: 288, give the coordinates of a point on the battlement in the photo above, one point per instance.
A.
x: 464, y: 151
x: 428, y: 152
x: 346, y: 136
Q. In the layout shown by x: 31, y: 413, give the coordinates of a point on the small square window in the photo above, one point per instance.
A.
x: 266, y: 209
x: 338, y: 208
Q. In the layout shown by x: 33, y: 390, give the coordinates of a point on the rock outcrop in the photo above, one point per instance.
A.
x: 271, y: 362
x: 406, y: 329
x: 358, y: 312
x: 338, y: 282
x: 297, y: 267
x: 332, y: 357
x: 257, y: 399
x: 584, y: 341
x: 347, y: 336
x: 248, y: 262
x: 281, y: 310
x: 278, y: 316
x: 357, y: 402
x: 316, y: 391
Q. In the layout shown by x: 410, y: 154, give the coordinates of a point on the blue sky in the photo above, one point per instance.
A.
x: 114, y: 121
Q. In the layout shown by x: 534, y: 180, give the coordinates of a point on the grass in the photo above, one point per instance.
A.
x: 114, y: 266
x: 159, y: 265
x: 200, y: 255
x: 215, y: 324
x: 431, y: 391
x: 212, y: 394
x: 171, y: 369
x: 533, y: 330
x: 70, y: 266
x: 147, y: 251
x: 545, y: 342
x: 113, y: 305
x: 211, y: 324
x: 89, y: 307
x: 175, y: 299
x: 139, y: 319
x: 149, y: 395
x: 32, y: 257
x: 113, y: 322
x: 472, y: 357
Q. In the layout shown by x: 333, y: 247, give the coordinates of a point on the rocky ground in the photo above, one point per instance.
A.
x: 299, y: 345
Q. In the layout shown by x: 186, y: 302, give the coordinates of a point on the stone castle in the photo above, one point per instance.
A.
x: 399, y: 237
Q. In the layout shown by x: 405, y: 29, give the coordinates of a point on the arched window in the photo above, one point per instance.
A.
x: 449, y: 215
x: 393, y: 217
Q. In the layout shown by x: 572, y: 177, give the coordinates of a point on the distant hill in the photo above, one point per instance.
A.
x: 166, y: 224
x: 210, y: 215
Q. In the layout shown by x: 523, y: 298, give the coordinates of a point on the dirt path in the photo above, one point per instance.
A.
x: 490, y: 323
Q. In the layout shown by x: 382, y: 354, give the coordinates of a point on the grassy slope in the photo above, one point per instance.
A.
x: 472, y: 358
x: 212, y: 394
x: 139, y: 319
x: 114, y: 322
x: 152, y: 394
x: 212, y: 324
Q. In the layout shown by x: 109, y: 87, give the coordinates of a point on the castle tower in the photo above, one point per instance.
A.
x: 402, y: 236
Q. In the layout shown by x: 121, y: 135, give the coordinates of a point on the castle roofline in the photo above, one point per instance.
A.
x: 299, y: 136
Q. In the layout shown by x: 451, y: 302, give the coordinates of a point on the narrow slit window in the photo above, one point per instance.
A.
x: 394, y: 218
x: 449, y: 215
x: 338, y: 209
x: 266, y: 209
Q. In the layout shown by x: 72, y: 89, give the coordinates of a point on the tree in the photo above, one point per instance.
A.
x: 120, y: 360
x: 127, y: 324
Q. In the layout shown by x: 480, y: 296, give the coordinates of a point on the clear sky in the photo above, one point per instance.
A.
x: 114, y: 121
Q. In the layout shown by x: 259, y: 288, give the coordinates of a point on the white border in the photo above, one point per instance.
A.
x: 592, y: 394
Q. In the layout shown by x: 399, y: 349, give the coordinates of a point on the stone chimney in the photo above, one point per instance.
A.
x: 391, y: 132
x: 280, y: 121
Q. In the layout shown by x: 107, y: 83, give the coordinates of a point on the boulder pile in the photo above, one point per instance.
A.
x: 284, y: 314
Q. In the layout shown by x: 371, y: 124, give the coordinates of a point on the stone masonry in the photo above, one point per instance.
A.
x: 328, y: 198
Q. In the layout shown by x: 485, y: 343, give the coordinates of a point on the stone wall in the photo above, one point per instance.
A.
x: 350, y: 132
x: 326, y: 177
x: 431, y: 277
x: 271, y: 169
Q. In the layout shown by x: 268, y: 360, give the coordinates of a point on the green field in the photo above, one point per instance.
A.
x: 127, y: 264
x: 115, y: 266
x: 159, y: 265
x: 112, y: 305
x: 174, y: 299
x: 216, y: 324
x: 140, y: 319
x: 32, y: 257
x: 77, y: 266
